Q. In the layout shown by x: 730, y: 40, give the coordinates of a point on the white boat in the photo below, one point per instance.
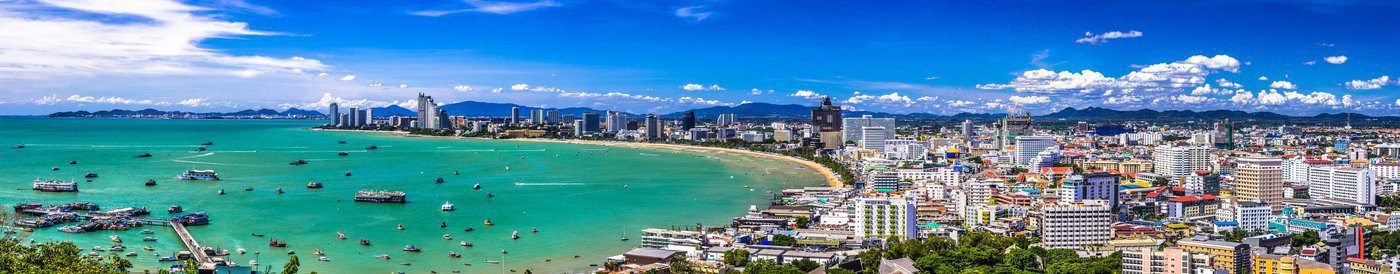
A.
x: 514, y: 235
x: 241, y: 250
x: 56, y: 186
x: 447, y: 206
x: 323, y: 259
x: 201, y: 175
x: 382, y: 256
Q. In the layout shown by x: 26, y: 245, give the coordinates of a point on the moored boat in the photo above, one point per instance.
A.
x: 373, y: 196
x: 150, y: 182
x: 199, y: 175
x: 448, y: 206
x: 411, y: 248
x: 276, y: 243
x: 55, y: 186
x: 314, y: 185
x: 90, y: 175
x: 299, y: 162
x: 175, y: 209
x: 143, y: 155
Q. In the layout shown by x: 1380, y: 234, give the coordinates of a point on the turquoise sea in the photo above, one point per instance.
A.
x: 582, y: 198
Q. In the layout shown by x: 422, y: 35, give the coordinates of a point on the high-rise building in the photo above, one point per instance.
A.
x: 615, y: 121
x: 873, y: 138
x: 1101, y: 186
x: 1012, y: 126
x: 967, y: 133
x: 354, y: 117
x: 1259, y: 179
x: 688, y: 121
x: 1076, y: 225
x: 883, y: 217
x: 726, y: 119
x: 334, y: 115
x: 1230, y: 256
x: 1180, y: 161
x: 515, y: 115
x: 590, y: 122
x: 551, y: 116
x: 654, y: 129
x: 826, y: 118
x: 851, y: 127
x: 537, y: 116
x: 429, y: 116
x: 1030, y: 146
x: 1202, y: 182
x: 1169, y: 260
x: 1343, y: 183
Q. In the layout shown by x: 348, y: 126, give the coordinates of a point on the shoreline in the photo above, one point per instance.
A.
x: 832, y: 180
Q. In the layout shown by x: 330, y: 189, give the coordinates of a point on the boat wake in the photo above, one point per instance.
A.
x: 206, y: 163
x: 549, y: 184
x: 648, y: 154
x: 197, y: 156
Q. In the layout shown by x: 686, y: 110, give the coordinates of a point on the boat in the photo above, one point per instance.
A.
x: 72, y: 162
x: 382, y: 256
x: 148, y: 248
x: 453, y: 255
x: 291, y: 252
x: 200, y: 149
x: 347, y: 174
x: 488, y: 222
x: 323, y: 259
x: 489, y: 195
x: 342, y: 153
x: 318, y: 252
x: 342, y: 142
x: 90, y: 175
x: 454, y: 172
x: 469, y: 229
x: 93, y: 254
x: 438, y: 180
x: 192, y: 219
x: 242, y: 251
x: 115, y: 238
x: 371, y: 147
x: 626, y: 186
x: 248, y: 189
x: 364, y: 242
x: 495, y: 261
x: 411, y: 248
x: 374, y: 196
x: 207, y: 143
x: 54, y: 169
x: 253, y: 262
x: 314, y: 185
x: 150, y: 182
x: 148, y: 239
x: 17, y: 147
x: 299, y: 162
x: 276, y: 243
x: 534, y: 230
x: 477, y: 186
x: 257, y: 234
x: 117, y: 248
x: 55, y: 186
x: 199, y: 175
x: 143, y: 155
x: 446, y: 236
x: 400, y: 227
x: 507, y: 168
x: 515, y: 235
x: 466, y: 243
x: 443, y: 225
x: 147, y: 231
x: 221, y: 191
x: 99, y: 248
x: 279, y: 190
x: 339, y: 235
x: 447, y: 206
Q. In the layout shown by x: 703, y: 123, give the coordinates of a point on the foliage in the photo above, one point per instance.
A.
x: 680, y: 265
x: 1238, y: 235
x: 292, y: 265
x: 806, y: 265
x: 1388, y: 203
x: 986, y: 253
x: 802, y: 221
x: 784, y: 240
x: 1382, y: 243
x: 736, y: 257
x: 1307, y: 238
x: 766, y: 266
x: 58, y: 257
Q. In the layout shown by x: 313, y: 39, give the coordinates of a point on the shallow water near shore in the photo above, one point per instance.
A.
x: 582, y: 198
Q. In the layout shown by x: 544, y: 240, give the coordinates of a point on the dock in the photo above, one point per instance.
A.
x: 206, y: 263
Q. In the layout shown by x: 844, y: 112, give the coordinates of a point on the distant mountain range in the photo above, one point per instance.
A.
x: 781, y: 111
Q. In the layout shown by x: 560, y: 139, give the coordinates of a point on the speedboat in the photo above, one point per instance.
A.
x: 469, y: 229
x: 453, y: 255
x: 477, y: 186
x: 242, y: 251
x: 99, y: 248
x: 150, y: 182
x: 318, y: 252
x: 339, y: 235
x: 364, y: 242
x: 279, y: 190
x: 148, y: 239
x: 448, y: 206
x: 131, y: 254
x: 148, y: 248
x: 90, y: 175
x: 117, y: 248
x: 299, y: 162
x: 314, y: 185
x: 342, y: 153
x: 514, y: 235
x: 488, y: 222
x: 443, y: 225
x: 400, y: 227
x: 147, y: 231
x: 411, y: 248
x: 466, y: 243
x: 200, y: 149
x: 438, y: 180
x: 17, y: 147
x: 371, y: 147
x: 221, y: 191
x: 54, y: 169
x: 323, y: 259
x: 115, y: 238
x: 248, y: 189
x: 446, y: 236
x: 347, y: 173
x: 534, y: 230
x: 257, y: 234
x: 382, y: 256
x: 341, y: 142
x: 207, y: 143
x: 72, y: 162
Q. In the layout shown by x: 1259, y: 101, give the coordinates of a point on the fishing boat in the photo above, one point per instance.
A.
x: 477, y: 186
x: 447, y: 206
x: 364, y: 242
x: 199, y: 175
x: 314, y: 185
x: 438, y: 180
x: 342, y: 153
x: 466, y: 243
x: 150, y: 182
x: 411, y: 248
x: 207, y: 143
x: 515, y: 235
x: 115, y: 238
x: 276, y: 243
x: 90, y: 175
x: 299, y: 162
x: 446, y: 236
x: 143, y: 155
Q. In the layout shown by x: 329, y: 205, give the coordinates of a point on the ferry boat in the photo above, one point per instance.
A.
x: 150, y: 182
x: 143, y: 155
x: 448, y: 206
x: 90, y: 175
x: 374, y: 196
x: 193, y: 219
x: 199, y: 175
x: 314, y: 185
x: 299, y: 162
x: 55, y: 186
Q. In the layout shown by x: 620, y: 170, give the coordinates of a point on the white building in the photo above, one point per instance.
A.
x: 1029, y: 147
x: 1252, y: 215
x: 851, y: 127
x: 1076, y: 225
x: 1342, y: 183
x: 1180, y: 161
x: 1296, y: 169
x: 905, y: 149
x: 1386, y: 171
x: 882, y: 217
x: 872, y: 138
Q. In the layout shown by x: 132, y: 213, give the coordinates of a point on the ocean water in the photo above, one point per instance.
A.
x: 582, y: 198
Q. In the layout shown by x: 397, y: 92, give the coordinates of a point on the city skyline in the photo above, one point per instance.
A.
x: 653, y: 58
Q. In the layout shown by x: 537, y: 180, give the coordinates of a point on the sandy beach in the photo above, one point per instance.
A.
x: 831, y: 178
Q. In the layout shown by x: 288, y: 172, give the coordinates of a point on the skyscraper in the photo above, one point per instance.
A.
x: 1180, y: 161
x: 826, y: 118
x: 551, y: 116
x: 654, y: 129
x: 726, y: 119
x: 590, y: 122
x: 851, y: 127
x: 1014, y: 126
x: 615, y: 121
x: 1260, y: 179
x: 1028, y: 147
x: 335, y: 114
x: 967, y: 133
x: 873, y: 138
x: 429, y: 116
x: 514, y: 115
x: 537, y: 116
x: 688, y: 121
x: 1077, y: 225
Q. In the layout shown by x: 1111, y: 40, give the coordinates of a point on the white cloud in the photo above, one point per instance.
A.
x: 1283, y: 85
x: 347, y: 78
x: 1335, y: 60
x: 48, y: 100
x: 1189, y: 99
x: 193, y: 102
x: 327, y: 99
x: 1273, y: 97
x: 1310, y: 62
x: 130, y: 37
x: 1156, y: 78
x: 1029, y: 100
x: 462, y: 88
x: 807, y: 94
x: 403, y: 85
x: 492, y: 7
x: 519, y: 87
x: 693, y: 13
x: 699, y: 87
x: 112, y: 100
x: 1227, y: 84
x: 755, y: 91
x: 1095, y: 39
x: 376, y: 84
x: 1263, y: 78
x: 1375, y: 83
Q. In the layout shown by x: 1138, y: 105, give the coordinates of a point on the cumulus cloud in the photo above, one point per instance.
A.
x: 696, y: 13
x: 1147, y: 81
x: 376, y: 84
x: 1029, y: 100
x: 403, y: 85
x: 135, y: 37
x: 755, y: 91
x: 112, y: 100
x: 462, y: 88
x: 1283, y: 85
x: 1374, y: 83
x: 347, y: 78
x: 1273, y: 97
x: 1263, y: 78
x: 1335, y: 60
x: 493, y: 7
x: 1227, y: 84
x: 327, y: 99
x: 807, y: 94
x: 519, y: 87
x: 48, y: 100
x: 1095, y: 39
x: 699, y: 87
x: 193, y: 102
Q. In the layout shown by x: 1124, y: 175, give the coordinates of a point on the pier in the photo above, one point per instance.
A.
x: 206, y: 263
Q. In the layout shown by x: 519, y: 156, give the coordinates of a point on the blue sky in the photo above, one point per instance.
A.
x: 1295, y: 57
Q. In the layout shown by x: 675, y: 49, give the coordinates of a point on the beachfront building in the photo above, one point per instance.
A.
x: 683, y: 240
x: 883, y: 217
x: 590, y: 122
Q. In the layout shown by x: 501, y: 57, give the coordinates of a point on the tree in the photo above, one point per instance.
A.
x: 802, y: 221
x: 784, y: 240
x: 806, y: 265
x: 765, y: 266
x: 53, y: 257
x: 612, y: 265
x: 1021, y: 259
x: 292, y: 265
x: 1306, y: 238
x: 680, y: 265
x: 736, y: 257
